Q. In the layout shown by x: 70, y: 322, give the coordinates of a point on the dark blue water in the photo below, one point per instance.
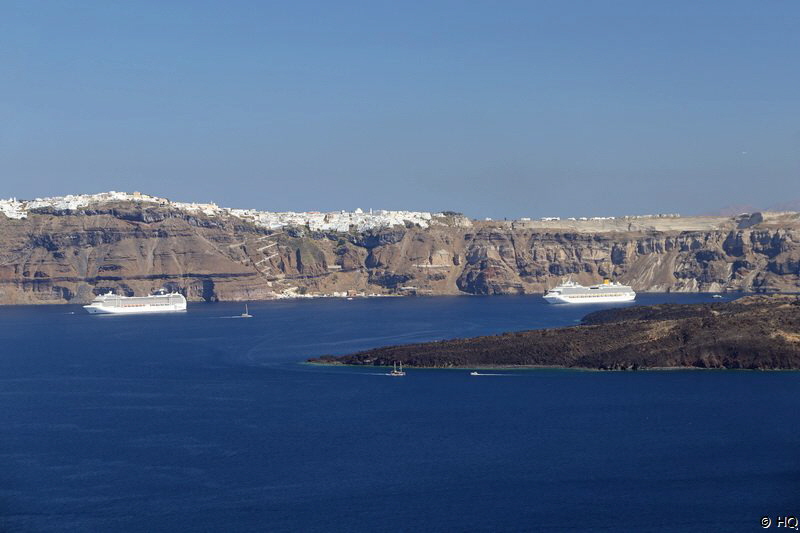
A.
x: 197, y: 422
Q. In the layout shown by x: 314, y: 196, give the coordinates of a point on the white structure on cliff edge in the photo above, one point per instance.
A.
x: 339, y: 221
x: 19, y: 209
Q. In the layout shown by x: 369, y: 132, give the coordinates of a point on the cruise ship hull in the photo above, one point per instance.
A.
x: 599, y: 299
x: 101, y: 310
x: 570, y: 292
x: 111, y: 304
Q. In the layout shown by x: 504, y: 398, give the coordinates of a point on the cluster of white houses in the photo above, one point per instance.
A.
x: 338, y: 221
x: 13, y: 208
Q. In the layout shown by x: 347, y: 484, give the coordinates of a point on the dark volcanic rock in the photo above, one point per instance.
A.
x: 756, y: 332
x: 748, y: 221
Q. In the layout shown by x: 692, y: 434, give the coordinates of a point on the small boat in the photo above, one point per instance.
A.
x: 246, y: 314
x: 717, y: 296
x: 396, y: 372
x: 474, y: 374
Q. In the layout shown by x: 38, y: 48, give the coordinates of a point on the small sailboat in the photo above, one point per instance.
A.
x: 396, y: 372
x: 246, y: 314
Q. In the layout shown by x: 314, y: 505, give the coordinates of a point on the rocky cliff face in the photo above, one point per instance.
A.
x: 57, y: 257
x: 763, y: 257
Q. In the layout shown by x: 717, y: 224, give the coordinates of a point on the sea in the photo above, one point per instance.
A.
x: 201, y: 421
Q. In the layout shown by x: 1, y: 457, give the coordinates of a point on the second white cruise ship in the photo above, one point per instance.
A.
x: 160, y: 302
x: 569, y: 292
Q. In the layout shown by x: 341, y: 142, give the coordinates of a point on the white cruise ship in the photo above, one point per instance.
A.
x: 569, y: 292
x: 160, y: 302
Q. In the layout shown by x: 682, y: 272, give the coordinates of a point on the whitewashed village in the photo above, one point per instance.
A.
x: 336, y: 221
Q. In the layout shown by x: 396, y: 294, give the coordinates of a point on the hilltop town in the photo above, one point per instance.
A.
x: 336, y: 221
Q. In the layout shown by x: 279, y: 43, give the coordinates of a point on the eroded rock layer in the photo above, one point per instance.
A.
x: 69, y: 256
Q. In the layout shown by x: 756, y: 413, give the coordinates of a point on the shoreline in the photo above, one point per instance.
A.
x: 555, y: 367
x: 726, y: 296
x: 756, y: 332
x: 206, y: 256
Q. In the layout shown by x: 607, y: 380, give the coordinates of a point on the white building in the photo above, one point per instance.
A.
x: 338, y: 221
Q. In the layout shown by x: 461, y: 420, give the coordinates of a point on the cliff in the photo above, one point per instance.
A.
x: 68, y: 255
x: 755, y: 332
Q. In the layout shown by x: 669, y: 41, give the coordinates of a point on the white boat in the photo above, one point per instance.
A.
x: 161, y: 302
x: 474, y: 374
x: 396, y: 372
x: 569, y: 292
x: 246, y: 314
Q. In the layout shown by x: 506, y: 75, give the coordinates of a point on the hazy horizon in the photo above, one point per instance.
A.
x: 530, y: 109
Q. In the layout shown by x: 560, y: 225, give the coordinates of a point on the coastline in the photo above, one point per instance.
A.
x: 726, y: 297
x: 751, y: 333
x: 62, y: 251
x: 556, y: 367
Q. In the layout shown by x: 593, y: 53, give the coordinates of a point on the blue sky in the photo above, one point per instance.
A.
x: 536, y: 108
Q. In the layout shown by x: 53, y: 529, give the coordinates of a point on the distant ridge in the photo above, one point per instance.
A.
x: 68, y: 249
